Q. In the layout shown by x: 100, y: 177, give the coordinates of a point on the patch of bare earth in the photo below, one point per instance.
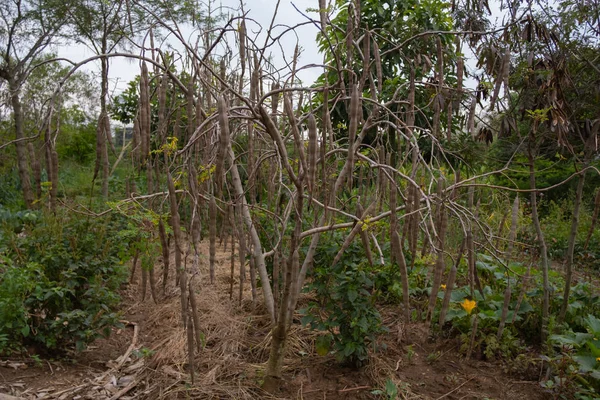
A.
x: 148, y: 358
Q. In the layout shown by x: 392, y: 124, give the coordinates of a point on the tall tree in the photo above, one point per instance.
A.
x: 27, y: 28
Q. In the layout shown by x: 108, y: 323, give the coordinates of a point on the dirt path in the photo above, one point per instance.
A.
x: 153, y: 363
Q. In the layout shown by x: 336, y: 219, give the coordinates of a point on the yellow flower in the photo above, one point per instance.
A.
x: 468, y: 305
x: 597, y: 358
x: 443, y: 287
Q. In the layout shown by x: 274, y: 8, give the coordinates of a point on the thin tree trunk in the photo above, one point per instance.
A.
x: 450, y: 284
x: 20, y: 145
x: 542, y: 246
x: 36, y: 169
x: 571, y: 247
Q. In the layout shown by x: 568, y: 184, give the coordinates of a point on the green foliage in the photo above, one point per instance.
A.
x: 59, y: 281
x: 557, y: 224
x: 344, y: 305
x: 576, y: 364
x: 77, y: 139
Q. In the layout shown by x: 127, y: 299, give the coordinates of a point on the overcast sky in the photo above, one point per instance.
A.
x: 124, y: 70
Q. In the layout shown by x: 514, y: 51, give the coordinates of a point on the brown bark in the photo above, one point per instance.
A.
x: 20, y: 145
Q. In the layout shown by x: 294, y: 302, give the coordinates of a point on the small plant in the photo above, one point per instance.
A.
x: 389, y: 392
x: 344, y: 307
x: 577, y: 361
x: 410, y: 354
x: 143, y: 352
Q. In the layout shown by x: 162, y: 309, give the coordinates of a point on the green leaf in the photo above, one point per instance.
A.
x: 323, y: 345
x: 586, y: 363
x: 25, y: 330
x: 352, y: 295
x: 593, y: 325
x: 391, y: 389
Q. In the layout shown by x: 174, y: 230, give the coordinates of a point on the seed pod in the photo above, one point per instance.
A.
x: 355, y: 115
x: 135, y: 140
x: 500, y: 78
x: 460, y: 66
x: 287, y: 104
x: 274, y: 101
x: 294, y: 63
x: 440, y: 62
x: 223, y: 142
x: 190, y: 111
x: 323, y: 13
x: 378, y: 68
x: 349, y: 37
x: 506, y: 73
x: 471, y: 120
x: 366, y: 61
x: 242, y: 38
x: 410, y: 118
x: 312, y: 152
x: 162, y: 109
x: 144, y: 113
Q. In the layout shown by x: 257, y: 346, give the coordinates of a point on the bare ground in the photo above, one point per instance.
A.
x: 153, y: 364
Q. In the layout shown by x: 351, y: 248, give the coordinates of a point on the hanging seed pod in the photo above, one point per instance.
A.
x: 410, y: 118
x: 350, y: 40
x: 294, y: 64
x: 440, y: 62
x: 136, y: 140
x: 287, y: 105
x: 460, y: 67
x: 500, y: 78
x: 355, y: 114
x: 471, y: 120
x: 323, y: 13
x: 274, y: 101
x: 189, y: 109
x: 144, y: 113
x: 378, y: 68
x: 242, y: 39
x: 162, y: 109
x: 312, y: 153
x: 506, y: 73
x: 366, y: 60
x: 223, y: 143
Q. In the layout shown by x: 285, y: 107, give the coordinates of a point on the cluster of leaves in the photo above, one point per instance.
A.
x: 558, y: 225
x: 344, y: 305
x: 577, y: 362
x: 59, y: 281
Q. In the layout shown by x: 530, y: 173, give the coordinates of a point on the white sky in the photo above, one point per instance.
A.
x: 124, y: 70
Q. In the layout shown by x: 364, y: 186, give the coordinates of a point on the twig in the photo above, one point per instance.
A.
x: 131, y: 346
x: 455, y: 389
x: 354, y: 388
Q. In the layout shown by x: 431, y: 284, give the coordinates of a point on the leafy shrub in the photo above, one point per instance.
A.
x: 58, y: 283
x: 344, y: 306
x: 576, y: 364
